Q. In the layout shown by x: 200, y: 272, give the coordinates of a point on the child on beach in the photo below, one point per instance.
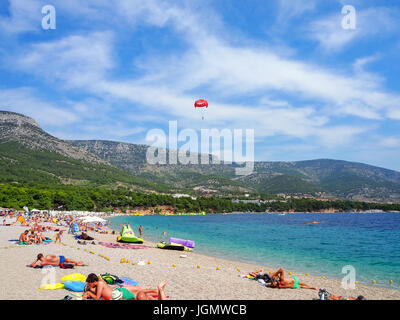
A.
x: 58, y: 236
x: 98, y: 288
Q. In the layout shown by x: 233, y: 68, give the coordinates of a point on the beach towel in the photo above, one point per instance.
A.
x: 129, y: 281
x: 155, y: 297
x: 73, y: 277
x: 76, y: 286
x: 52, y: 286
x: 35, y: 267
x: 121, y: 245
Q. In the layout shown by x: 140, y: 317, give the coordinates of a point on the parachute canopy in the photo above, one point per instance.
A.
x: 201, y: 103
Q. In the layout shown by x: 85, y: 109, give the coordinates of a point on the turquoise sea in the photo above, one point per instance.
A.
x: 370, y: 242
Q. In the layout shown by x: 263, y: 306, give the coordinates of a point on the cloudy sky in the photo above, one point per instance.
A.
x: 286, y: 68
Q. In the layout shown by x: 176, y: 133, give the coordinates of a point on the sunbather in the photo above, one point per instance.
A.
x: 23, y: 238
x: 32, y: 237
x: 279, y: 281
x: 325, y: 295
x: 53, y: 260
x: 98, y: 288
x: 255, y: 273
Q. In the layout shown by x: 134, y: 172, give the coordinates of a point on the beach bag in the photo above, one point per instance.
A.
x: 264, y: 277
x: 111, y: 279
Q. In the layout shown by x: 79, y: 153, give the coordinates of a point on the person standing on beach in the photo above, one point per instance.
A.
x: 141, y: 230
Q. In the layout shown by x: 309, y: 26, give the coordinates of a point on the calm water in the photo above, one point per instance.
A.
x: 369, y: 241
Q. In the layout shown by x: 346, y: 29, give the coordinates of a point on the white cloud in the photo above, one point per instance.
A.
x: 84, y: 62
x: 371, y: 22
x: 24, y: 100
x: 24, y: 16
x: 287, y: 9
x: 390, y: 142
x: 75, y: 60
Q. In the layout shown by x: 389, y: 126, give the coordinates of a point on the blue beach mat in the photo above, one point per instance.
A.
x: 76, y: 286
x: 129, y: 281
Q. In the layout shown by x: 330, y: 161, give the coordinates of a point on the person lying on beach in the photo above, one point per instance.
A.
x: 332, y: 297
x: 255, y: 273
x: 53, y: 260
x: 98, y: 288
x: 261, y: 277
x: 325, y: 295
x: 84, y: 236
x: 279, y: 281
x: 23, y: 238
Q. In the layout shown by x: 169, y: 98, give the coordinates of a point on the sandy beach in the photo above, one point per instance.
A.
x: 185, y: 281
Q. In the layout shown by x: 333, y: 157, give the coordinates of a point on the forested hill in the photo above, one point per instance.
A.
x: 321, y: 178
x: 30, y: 155
x: 15, y: 127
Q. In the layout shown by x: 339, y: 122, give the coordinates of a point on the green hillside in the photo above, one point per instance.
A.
x: 26, y: 166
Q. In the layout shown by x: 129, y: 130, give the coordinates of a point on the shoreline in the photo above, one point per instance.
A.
x: 185, y: 280
x: 237, y: 261
x: 236, y: 212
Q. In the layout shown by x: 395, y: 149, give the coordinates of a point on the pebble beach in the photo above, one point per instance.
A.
x: 192, y: 277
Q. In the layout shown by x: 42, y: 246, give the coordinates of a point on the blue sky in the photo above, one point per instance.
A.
x: 285, y: 68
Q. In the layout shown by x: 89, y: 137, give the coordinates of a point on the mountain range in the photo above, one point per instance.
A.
x: 30, y: 155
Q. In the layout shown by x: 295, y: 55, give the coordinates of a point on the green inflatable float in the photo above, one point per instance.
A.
x: 127, y: 235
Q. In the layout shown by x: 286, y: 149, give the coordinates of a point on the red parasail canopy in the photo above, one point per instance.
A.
x: 201, y: 103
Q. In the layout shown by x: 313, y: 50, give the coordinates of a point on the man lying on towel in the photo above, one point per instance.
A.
x: 53, y: 260
x: 98, y: 288
x: 281, y: 282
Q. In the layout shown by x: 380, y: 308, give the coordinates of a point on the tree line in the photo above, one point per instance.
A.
x: 102, y: 199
